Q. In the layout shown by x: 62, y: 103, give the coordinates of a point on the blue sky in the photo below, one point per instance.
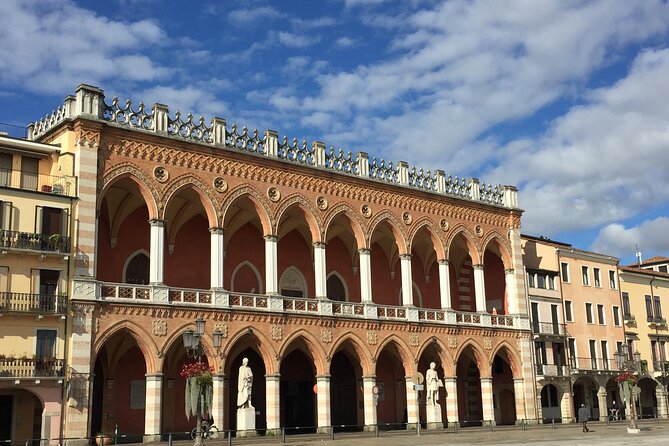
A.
x: 566, y: 99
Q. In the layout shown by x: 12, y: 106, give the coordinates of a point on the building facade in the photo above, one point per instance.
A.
x: 37, y: 195
x: 340, y: 277
x: 645, y: 290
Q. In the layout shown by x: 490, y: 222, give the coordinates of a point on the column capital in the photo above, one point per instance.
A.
x: 405, y: 256
x: 509, y: 271
x: 478, y: 266
x: 486, y: 379
x: 154, y: 376
x: 443, y: 262
x: 271, y: 238
x: 156, y: 222
x: 273, y: 376
x: 369, y: 378
x: 518, y: 380
x: 216, y: 230
x: 319, y: 244
x: 323, y: 377
x: 362, y: 251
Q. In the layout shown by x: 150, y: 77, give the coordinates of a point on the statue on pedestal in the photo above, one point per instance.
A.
x: 244, y: 385
x: 432, y: 384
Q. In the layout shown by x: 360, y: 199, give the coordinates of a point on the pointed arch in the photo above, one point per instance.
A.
x: 511, y: 356
x: 266, y: 350
x: 137, y: 176
x: 313, y: 346
x: 479, y: 357
x: 341, y: 279
x: 255, y: 271
x: 357, y: 346
x: 142, y: 338
x: 310, y: 214
x: 448, y: 363
x: 408, y: 361
x: 292, y: 279
x: 401, y: 238
x: 354, y: 220
x: 502, y: 244
x: 470, y: 241
x: 176, y: 336
x: 262, y: 207
x: 433, y: 231
x: 207, y: 198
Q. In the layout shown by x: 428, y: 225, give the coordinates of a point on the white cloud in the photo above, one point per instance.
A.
x: 651, y: 236
x: 296, y: 40
x: 344, y: 42
x: 242, y: 17
x: 189, y: 99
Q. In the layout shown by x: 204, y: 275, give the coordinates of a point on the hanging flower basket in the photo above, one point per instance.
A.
x: 630, y: 378
x: 199, y: 388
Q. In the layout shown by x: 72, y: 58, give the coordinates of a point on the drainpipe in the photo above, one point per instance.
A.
x: 566, y: 344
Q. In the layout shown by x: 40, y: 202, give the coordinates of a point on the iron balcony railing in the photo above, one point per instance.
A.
x: 588, y: 364
x: 656, y: 320
x: 552, y: 370
x: 549, y: 328
x: 34, y: 242
x: 57, y: 185
x: 661, y: 366
x: 14, y: 131
x: 31, y: 368
x: 629, y: 318
x: 33, y: 303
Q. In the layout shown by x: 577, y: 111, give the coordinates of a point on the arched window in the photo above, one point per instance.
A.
x: 137, y: 269
x: 292, y: 283
x: 336, y: 289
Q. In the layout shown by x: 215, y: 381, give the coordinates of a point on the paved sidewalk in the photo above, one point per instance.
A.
x: 562, y: 435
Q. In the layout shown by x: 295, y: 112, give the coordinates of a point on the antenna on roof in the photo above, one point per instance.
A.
x: 638, y: 255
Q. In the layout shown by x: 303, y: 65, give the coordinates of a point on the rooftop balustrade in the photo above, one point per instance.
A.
x: 33, y: 303
x: 221, y: 299
x: 29, y: 241
x: 89, y: 102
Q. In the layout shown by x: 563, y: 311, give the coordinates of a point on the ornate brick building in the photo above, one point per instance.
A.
x: 337, y: 275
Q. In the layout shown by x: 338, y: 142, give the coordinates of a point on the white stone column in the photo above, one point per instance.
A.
x: 603, y: 407
x: 218, y: 400
x: 451, y: 386
x: 486, y: 400
x: 217, y: 253
x: 444, y: 284
x: 154, y: 385
x: 479, y: 288
x: 412, y: 403
x: 369, y: 402
x: 323, y: 403
x: 519, y: 394
x: 273, y: 402
x: 271, y: 264
x: 320, y: 271
x: 566, y: 407
x: 661, y: 395
x: 407, y: 282
x: 157, y: 251
x: 510, y: 282
x: 365, y: 275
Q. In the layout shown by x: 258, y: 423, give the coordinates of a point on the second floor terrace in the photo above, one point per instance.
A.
x: 38, y: 182
x: 23, y: 368
x: 31, y: 241
x: 38, y: 304
x: 549, y: 329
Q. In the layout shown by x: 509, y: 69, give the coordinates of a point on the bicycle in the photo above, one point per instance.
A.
x: 207, y: 432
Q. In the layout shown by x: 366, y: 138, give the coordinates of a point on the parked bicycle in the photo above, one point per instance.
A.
x: 208, y: 431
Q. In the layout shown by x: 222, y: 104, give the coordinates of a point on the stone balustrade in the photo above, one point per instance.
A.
x: 89, y: 102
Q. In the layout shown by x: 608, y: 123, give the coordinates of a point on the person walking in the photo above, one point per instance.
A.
x: 583, y: 415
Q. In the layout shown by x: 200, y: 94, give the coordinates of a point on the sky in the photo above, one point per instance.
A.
x: 567, y: 100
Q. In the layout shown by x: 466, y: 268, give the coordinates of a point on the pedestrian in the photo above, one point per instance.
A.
x: 583, y: 415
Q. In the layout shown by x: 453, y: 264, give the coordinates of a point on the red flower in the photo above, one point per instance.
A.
x: 195, y: 369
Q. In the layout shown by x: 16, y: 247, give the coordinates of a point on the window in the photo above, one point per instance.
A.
x: 572, y: 352
x: 627, y: 314
x: 662, y: 269
x: 585, y: 273
x: 5, y: 169
x: 598, y: 279
x: 658, y: 308
x: 612, y: 280
x: 600, y: 314
x: 530, y: 280
x: 593, y: 354
x: 551, y: 282
x: 605, y: 355
x: 541, y: 281
x: 569, y: 314
x: 662, y: 351
x: 46, y: 344
x: 588, y: 313
x: 653, y: 350
x: 29, y: 170
x: 564, y: 270
x: 649, y: 308
x: 616, y: 316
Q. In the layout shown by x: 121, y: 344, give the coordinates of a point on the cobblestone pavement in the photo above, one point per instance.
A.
x: 563, y: 435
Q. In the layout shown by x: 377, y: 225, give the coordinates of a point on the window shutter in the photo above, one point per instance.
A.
x: 65, y: 224
x: 34, y: 279
x: 38, y: 219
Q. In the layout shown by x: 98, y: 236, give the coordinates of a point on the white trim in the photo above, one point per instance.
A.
x: 255, y: 271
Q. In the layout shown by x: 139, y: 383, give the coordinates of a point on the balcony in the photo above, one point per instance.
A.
x: 629, y: 319
x: 28, y: 241
x: 31, y: 368
x: 656, y: 321
x: 661, y: 367
x: 549, y: 329
x: 552, y: 370
x: 586, y: 364
x: 33, y: 303
x: 224, y: 300
x: 55, y: 185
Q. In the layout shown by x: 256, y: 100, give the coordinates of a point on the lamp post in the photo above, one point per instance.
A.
x: 194, y: 349
x: 625, y: 364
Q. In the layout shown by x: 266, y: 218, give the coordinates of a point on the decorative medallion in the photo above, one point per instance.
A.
x: 487, y: 343
x: 371, y: 337
x: 444, y: 224
x: 273, y: 194
x: 159, y: 327
x: 223, y: 328
x: 277, y: 333
x: 452, y: 342
x: 326, y: 335
x: 414, y: 341
x: 220, y: 184
x: 479, y: 230
x: 406, y: 218
x: 161, y: 174
x: 322, y: 203
x: 366, y: 211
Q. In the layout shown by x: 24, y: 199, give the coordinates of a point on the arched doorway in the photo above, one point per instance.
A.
x: 647, y: 402
x: 21, y: 414
x: 470, y: 402
x: 390, y: 380
x: 504, y: 400
x: 137, y: 269
x: 550, y: 403
x: 258, y: 392
x: 345, y: 393
x: 336, y: 289
x: 298, y: 399
x: 585, y: 392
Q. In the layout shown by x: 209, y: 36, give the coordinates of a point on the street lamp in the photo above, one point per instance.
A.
x: 194, y: 349
x: 625, y: 364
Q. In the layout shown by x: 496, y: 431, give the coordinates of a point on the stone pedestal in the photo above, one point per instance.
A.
x: 246, y: 422
x: 433, y: 413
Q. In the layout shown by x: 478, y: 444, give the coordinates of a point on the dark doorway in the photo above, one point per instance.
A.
x: 298, y: 400
x: 335, y: 289
x: 258, y: 391
x: 6, y: 402
x: 137, y: 272
x: 343, y: 393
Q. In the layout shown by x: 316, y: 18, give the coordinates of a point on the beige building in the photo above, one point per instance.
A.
x: 645, y: 291
x: 37, y: 193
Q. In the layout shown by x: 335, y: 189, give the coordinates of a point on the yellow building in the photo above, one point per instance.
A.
x: 37, y: 193
x: 645, y: 290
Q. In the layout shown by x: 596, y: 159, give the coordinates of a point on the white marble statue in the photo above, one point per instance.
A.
x: 244, y: 385
x: 432, y: 385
